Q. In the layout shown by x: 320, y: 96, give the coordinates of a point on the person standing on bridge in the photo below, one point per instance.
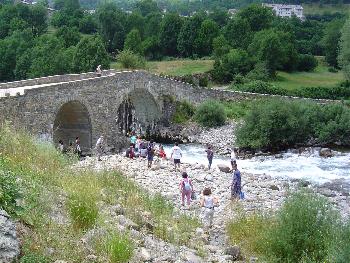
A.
x: 98, y: 71
x: 99, y: 147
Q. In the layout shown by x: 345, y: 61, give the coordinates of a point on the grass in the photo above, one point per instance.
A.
x: 313, y: 9
x: 60, y: 204
x: 175, y: 67
x: 320, y: 77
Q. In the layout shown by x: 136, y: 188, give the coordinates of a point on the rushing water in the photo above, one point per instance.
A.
x: 309, y: 166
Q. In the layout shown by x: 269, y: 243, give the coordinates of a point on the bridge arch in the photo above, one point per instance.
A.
x: 73, y: 120
x: 138, y: 110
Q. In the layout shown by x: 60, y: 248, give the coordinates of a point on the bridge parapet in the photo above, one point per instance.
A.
x: 52, y: 79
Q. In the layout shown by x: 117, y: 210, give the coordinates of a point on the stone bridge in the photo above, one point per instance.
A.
x: 86, y: 106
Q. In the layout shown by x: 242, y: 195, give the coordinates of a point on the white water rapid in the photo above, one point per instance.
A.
x: 307, y: 165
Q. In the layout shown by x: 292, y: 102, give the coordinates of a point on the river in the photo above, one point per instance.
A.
x: 308, y: 165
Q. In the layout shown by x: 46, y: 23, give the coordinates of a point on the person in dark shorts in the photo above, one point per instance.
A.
x: 176, y: 154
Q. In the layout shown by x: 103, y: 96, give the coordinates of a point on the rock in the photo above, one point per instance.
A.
x: 326, y: 152
x: 253, y: 260
x: 143, y: 254
x: 224, y: 168
x: 91, y: 257
x: 326, y: 192
x: 274, y: 187
x: 192, y: 258
x: 209, y: 177
x: 234, y: 251
x: 279, y: 156
x: 9, y: 244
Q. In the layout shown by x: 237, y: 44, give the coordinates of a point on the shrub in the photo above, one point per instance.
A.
x: 303, y: 231
x: 119, y: 248
x: 9, y: 190
x: 332, y: 70
x: 184, y: 111
x: 203, y: 81
x: 210, y: 114
x: 279, y: 124
x: 130, y: 60
x: 306, y: 62
x: 237, y: 109
x: 82, y: 209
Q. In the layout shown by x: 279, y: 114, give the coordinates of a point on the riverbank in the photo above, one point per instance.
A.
x: 263, y: 193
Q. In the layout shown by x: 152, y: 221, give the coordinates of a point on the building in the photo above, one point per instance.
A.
x: 286, y: 10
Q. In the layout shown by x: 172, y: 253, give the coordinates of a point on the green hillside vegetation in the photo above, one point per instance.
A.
x: 319, y: 77
x: 319, y: 9
x: 56, y: 204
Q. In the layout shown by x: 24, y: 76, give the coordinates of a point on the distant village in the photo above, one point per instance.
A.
x: 281, y: 10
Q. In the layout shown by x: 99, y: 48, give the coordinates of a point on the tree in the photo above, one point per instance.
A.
x: 258, y: 17
x: 133, y: 42
x: 188, y: 34
x: 153, y: 23
x: 151, y: 48
x: 331, y: 40
x: 267, y: 46
x: 90, y: 52
x: 112, y: 22
x: 220, y: 46
x: 146, y: 7
x: 207, y: 32
x: 238, y: 32
x: 69, y: 35
x: 169, y: 32
x: 235, y: 62
x: 344, y: 50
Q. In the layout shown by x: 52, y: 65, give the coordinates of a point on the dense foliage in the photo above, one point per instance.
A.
x: 276, y: 124
x: 34, y: 44
x: 339, y: 92
x: 210, y: 114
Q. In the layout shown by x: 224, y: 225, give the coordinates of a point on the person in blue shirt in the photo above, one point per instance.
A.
x: 236, y: 186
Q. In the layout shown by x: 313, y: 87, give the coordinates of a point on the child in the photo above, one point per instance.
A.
x: 208, y: 202
x: 162, y: 153
x: 186, y: 189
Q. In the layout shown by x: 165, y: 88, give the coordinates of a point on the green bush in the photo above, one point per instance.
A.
x: 184, y: 111
x: 83, y: 210
x: 130, y: 60
x: 306, y: 62
x: 211, y: 114
x: 203, y: 81
x: 9, y: 190
x: 119, y: 248
x: 277, y: 124
x: 237, y: 109
x: 304, y: 228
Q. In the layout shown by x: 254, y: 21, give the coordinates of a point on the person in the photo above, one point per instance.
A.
x: 150, y: 154
x: 210, y: 155
x: 161, y: 153
x: 176, y: 154
x: 131, y: 153
x: 138, y: 144
x: 77, y: 149
x: 233, y: 158
x: 208, y: 201
x: 99, y: 147
x: 236, y: 187
x: 70, y: 149
x: 143, y: 151
x: 61, y: 146
x: 186, y: 189
x: 98, y: 71
x: 133, y: 139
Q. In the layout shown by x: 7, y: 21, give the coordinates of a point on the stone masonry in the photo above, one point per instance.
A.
x: 63, y: 107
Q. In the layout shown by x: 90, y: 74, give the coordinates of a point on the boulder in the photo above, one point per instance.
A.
x: 274, y: 187
x: 224, y: 168
x: 9, y: 244
x: 192, y: 258
x: 326, y: 152
x: 143, y: 255
x: 209, y: 177
x: 234, y: 251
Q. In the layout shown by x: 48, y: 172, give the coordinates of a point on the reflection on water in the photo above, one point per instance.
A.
x: 307, y: 165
